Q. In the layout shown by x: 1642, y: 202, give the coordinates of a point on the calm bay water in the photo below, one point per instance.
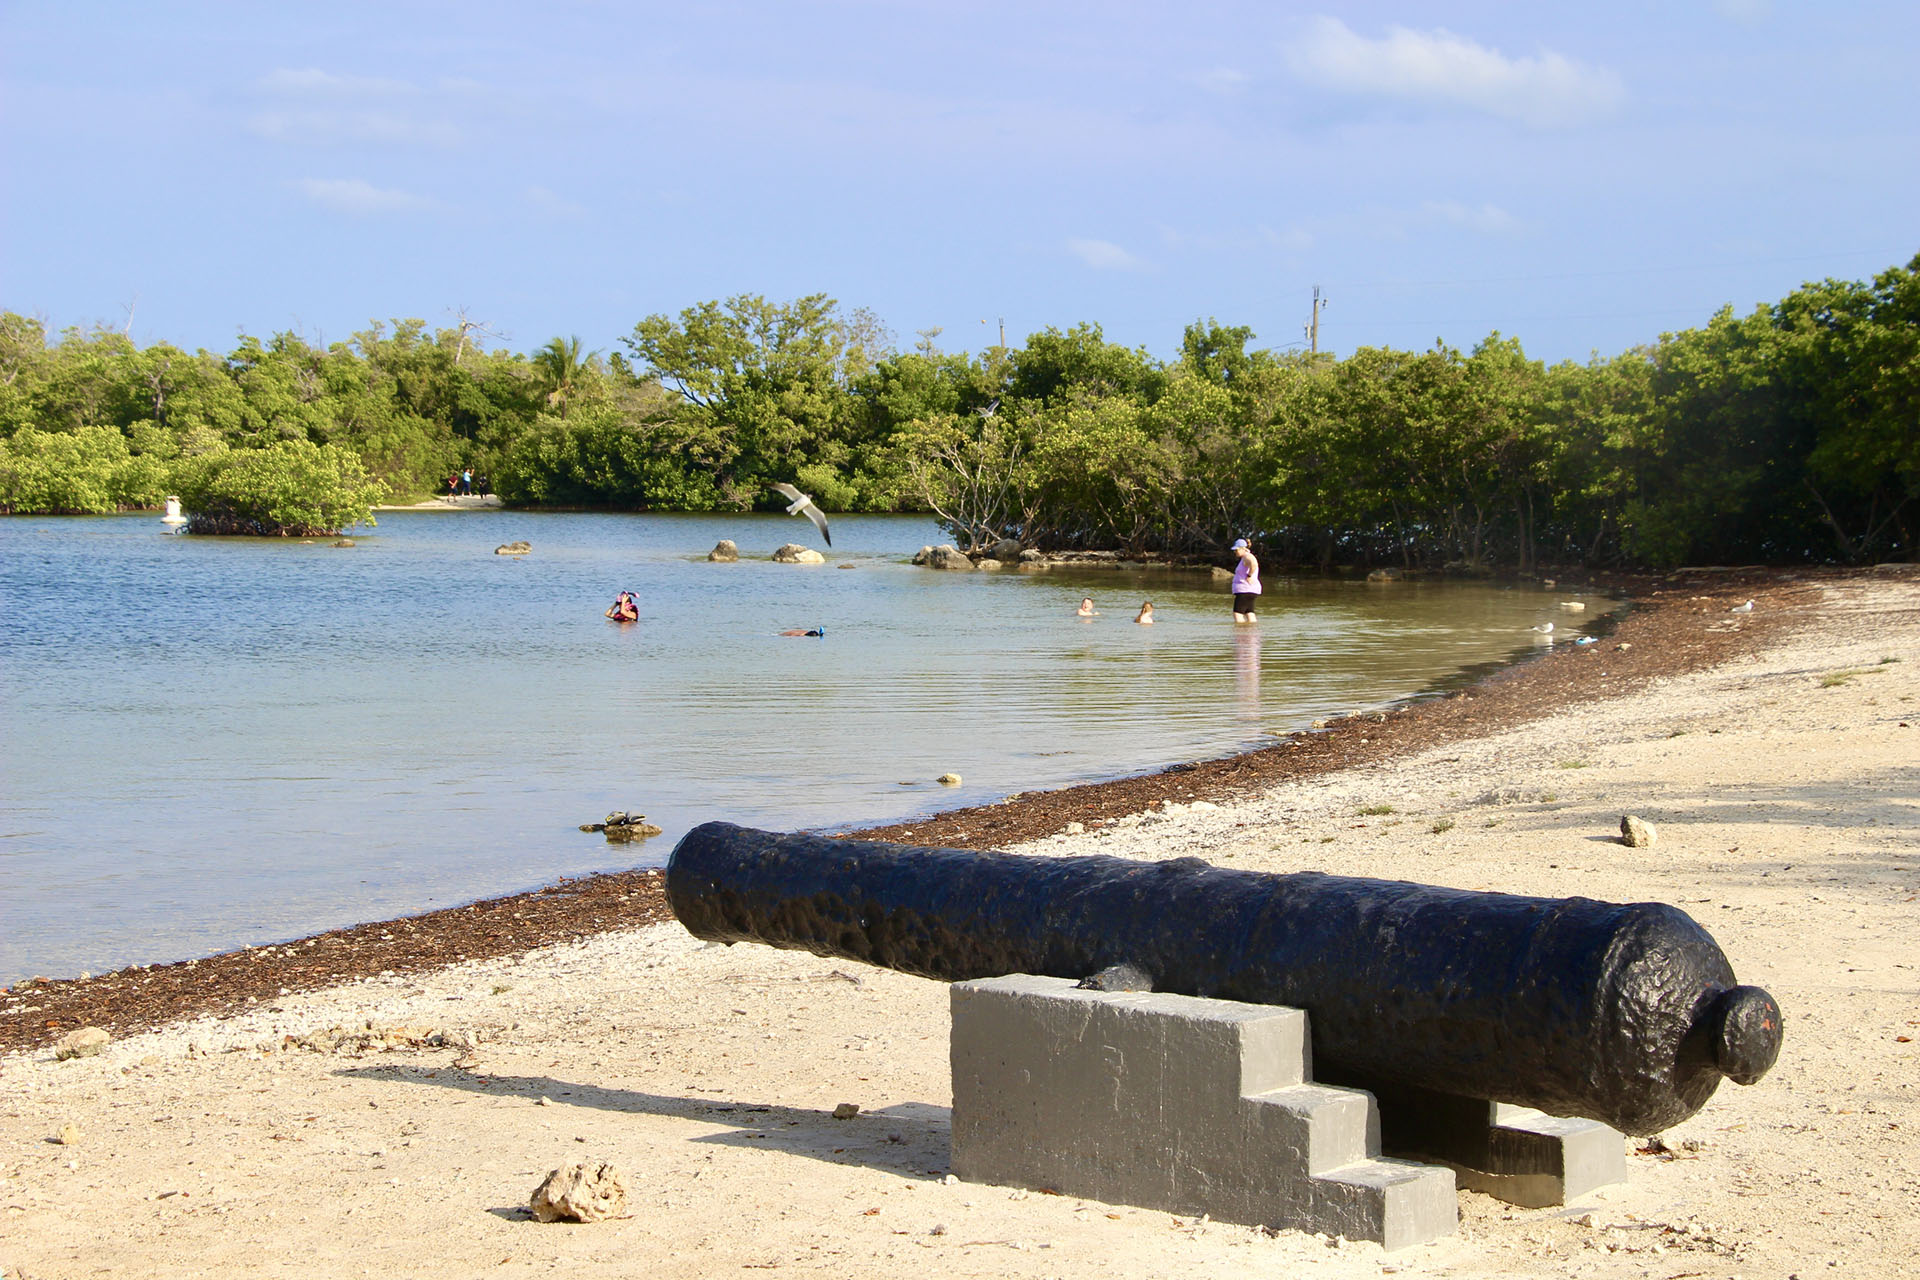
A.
x: 211, y: 742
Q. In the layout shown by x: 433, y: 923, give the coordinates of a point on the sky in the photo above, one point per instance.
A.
x: 1582, y: 177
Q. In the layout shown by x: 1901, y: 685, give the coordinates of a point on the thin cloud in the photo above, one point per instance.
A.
x: 330, y: 128
x: 1223, y: 80
x: 1289, y: 239
x: 1439, y: 66
x: 358, y: 196
x: 312, y: 80
x: 1102, y: 255
x: 1489, y: 218
x: 310, y: 107
x: 550, y: 203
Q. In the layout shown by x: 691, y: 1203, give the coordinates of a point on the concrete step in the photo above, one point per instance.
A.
x: 1176, y: 1103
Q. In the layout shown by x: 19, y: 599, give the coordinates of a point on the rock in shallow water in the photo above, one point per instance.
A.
x: 949, y: 558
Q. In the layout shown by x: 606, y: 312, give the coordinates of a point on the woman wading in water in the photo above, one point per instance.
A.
x: 1246, y: 582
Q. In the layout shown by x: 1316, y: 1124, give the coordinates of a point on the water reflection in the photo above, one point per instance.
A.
x: 1246, y: 671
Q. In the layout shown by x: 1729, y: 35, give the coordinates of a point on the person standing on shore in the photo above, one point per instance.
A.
x: 1246, y: 582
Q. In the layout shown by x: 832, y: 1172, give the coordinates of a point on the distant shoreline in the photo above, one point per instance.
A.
x: 470, y: 502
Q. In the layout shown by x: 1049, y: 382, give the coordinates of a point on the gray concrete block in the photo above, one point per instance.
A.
x: 1516, y: 1154
x: 1175, y: 1103
x: 1536, y: 1160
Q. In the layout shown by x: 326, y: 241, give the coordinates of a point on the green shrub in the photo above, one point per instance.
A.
x: 292, y: 488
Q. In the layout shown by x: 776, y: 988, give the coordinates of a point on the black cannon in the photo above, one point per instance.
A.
x: 1628, y: 1014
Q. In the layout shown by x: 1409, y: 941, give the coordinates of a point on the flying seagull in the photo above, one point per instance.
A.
x: 803, y: 506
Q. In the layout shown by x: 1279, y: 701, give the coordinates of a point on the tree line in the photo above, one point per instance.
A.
x: 1789, y: 434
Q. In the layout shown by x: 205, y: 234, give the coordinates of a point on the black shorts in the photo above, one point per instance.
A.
x: 1244, y: 601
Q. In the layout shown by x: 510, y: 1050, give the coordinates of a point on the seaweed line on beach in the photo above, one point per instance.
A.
x: 1677, y: 623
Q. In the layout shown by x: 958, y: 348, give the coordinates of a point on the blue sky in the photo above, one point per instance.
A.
x: 1582, y: 177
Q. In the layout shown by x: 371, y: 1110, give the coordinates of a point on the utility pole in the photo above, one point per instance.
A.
x: 1313, y: 330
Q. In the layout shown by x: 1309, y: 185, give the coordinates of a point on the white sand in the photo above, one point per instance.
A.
x: 1788, y: 808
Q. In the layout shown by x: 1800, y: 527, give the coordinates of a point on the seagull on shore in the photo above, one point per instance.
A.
x: 802, y: 505
x: 1742, y: 608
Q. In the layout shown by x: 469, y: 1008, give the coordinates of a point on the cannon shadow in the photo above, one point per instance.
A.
x: 910, y: 1139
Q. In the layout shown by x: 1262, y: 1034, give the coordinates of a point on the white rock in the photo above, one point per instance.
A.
x: 583, y: 1192
x: 84, y: 1043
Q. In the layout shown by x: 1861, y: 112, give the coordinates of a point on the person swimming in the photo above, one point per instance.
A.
x: 1145, y: 616
x: 1086, y: 608
x: 625, y: 608
x: 817, y: 631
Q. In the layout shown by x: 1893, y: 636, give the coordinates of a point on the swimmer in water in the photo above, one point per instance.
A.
x: 817, y: 631
x: 1145, y: 616
x: 624, y: 608
x: 1086, y: 608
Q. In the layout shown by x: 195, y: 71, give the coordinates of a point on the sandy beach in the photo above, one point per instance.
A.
x: 396, y: 1125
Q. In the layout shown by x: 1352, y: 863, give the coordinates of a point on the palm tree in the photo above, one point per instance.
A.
x: 559, y: 365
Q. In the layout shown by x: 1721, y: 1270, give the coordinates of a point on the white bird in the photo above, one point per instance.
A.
x: 803, y: 506
x: 173, y: 519
x: 1742, y: 608
x: 1545, y: 628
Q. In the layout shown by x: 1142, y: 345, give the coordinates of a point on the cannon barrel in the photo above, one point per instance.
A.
x: 1624, y: 1013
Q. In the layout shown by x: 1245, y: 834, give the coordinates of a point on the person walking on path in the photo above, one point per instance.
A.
x: 1246, y: 582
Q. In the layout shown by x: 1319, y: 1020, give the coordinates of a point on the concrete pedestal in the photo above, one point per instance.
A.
x: 1516, y: 1154
x: 1175, y: 1103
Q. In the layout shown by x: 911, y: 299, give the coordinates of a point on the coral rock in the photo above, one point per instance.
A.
x: 585, y: 1192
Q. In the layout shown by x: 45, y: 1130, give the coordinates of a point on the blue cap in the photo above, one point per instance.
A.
x: 1242, y: 544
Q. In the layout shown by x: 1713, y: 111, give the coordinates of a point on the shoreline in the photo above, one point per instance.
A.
x: 1671, y: 624
x: 449, y: 502
x: 771, y: 1109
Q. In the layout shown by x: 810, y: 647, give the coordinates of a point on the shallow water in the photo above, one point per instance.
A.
x: 210, y: 742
